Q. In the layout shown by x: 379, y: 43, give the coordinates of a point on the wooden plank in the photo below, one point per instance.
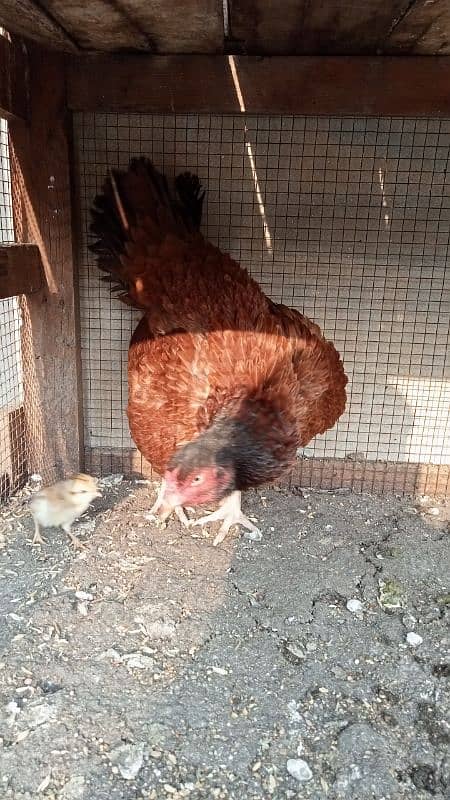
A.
x: 20, y: 269
x: 424, y: 29
x: 42, y: 214
x: 323, y: 27
x: 13, y: 79
x: 98, y: 25
x: 286, y: 85
x: 25, y: 18
x: 379, y: 477
x: 195, y: 26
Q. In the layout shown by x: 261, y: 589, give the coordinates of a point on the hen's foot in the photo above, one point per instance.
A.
x: 230, y: 512
x: 160, y: 511
x: 38, y: 539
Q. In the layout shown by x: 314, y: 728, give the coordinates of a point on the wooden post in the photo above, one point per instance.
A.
x: 42, y: 215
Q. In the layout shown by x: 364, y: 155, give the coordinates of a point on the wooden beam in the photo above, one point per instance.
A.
x: 261, y: 27
x: 42, y: 215
x: 194, y: 26
x: 28, y: 19
x: 358, y: 86
x: 13, y: 79
x: 100, y: 25
x: 424, y: 29
x: 20, y: 269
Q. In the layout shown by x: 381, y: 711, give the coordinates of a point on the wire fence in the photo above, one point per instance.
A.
x: 13, y: 462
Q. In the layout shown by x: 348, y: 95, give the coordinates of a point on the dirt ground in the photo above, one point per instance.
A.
x: 152, y: 665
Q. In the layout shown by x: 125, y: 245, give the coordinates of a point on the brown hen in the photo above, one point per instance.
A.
x: 224, y: 384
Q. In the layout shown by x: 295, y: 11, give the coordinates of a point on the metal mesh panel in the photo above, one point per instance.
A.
x: 12, y: 418
x: 345, y: 219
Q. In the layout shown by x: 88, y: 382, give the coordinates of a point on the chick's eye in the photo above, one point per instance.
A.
x: 198, y: 479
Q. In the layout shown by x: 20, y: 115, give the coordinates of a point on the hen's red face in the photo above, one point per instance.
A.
x: 204, y: 485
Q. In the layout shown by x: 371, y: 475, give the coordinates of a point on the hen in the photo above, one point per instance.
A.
x: 224, y: 384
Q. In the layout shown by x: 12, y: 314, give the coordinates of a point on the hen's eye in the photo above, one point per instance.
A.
x: 197, y: 479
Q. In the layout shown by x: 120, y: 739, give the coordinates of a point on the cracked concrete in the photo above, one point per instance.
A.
x: 153, y: 665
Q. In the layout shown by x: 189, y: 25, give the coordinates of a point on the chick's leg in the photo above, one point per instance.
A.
x: 37, y: 538
x: 74, y: 539
x: 230, y: 512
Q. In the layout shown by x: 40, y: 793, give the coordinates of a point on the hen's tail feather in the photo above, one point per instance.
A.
x: 189, y: 190
x: 139, y: 205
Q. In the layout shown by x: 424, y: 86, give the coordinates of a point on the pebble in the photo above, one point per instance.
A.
x: 84, y: 595
x: 293, y: 713
x: 129, y: 759
x: 354, y: 605
x: 299, y: 769
x: 138, y: 661
x: 413, y: 639
x: 253, y: 536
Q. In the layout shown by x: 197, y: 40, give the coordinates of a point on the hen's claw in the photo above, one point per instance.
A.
x: 159, y: 511
x: 230, y: 512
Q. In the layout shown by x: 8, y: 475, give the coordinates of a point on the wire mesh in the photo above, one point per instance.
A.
x: 13, y: 463
x: 346, y: 220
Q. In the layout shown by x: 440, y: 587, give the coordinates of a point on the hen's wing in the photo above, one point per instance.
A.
x: 320, y: 397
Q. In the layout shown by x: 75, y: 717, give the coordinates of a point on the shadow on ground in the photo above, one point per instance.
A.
x: 153, y: 665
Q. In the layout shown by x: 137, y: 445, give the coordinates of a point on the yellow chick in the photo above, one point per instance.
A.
x: 61, y: 504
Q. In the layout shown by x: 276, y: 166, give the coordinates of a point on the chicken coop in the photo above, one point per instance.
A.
x: 321, y: 132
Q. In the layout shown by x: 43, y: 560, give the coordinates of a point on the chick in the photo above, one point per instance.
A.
x: 61, y: 504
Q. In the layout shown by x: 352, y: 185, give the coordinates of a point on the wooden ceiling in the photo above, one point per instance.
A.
x: 254, y: 27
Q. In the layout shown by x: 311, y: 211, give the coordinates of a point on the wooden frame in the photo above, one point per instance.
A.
x: 20, y: 269
x: 13, y: 79
x: 383, y: 86
x: 40, y: 176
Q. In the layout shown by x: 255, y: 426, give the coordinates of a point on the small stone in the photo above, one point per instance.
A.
x: 129, y: 759
x: 299, y: 769
x: 84, y: 596
x: 220, y: 670
x: 253, y: 536
x: 138, y: 661
x: 354, y: 605
x: 293, y: 713
x: 413, y: 639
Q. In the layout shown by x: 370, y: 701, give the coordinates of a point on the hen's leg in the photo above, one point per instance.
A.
x: 37, y: 538
x: 159, y: 498
x: 74, y: 539
x: 165, y: 513
x: 230, y: 512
